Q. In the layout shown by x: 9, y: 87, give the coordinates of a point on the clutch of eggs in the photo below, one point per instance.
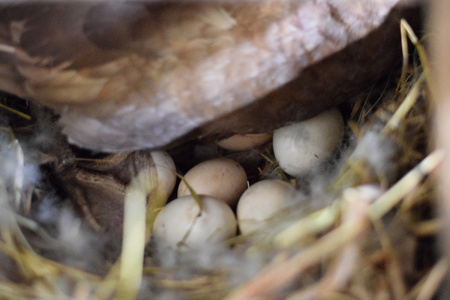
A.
x: 222, y: 182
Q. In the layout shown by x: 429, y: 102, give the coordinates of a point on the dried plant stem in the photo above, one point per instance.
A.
x: 107, y: 287
x: 281, y: 273
x: 395, y: 121
x: 312, y: 224
x: 393, y: 268
x: 428, y: 286
x: 134, y: 239
x: 407, y: 31
x: 20, y: 114
x: 399, y: 190
x: 145, y: 196
x: 341, y: 269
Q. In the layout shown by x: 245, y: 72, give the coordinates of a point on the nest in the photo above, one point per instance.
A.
x: 338, y: 242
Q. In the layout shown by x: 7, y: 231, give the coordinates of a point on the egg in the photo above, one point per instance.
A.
x: 261, y: 201
x: 166, y: 170
x: 181, y: 222
x: 221, y: 178
x: 241, y: 142
x: 302, y: 146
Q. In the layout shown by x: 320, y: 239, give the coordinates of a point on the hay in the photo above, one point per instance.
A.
x: 339, y: 242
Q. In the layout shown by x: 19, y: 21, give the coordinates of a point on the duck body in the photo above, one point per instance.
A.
x: 128, y: 75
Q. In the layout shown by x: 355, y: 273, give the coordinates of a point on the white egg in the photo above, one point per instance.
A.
x: 261, y: 201
x: 302, y: 146
x: 221, y: 178
x: 240, y: 142
x: 165, y: 167
x: 182, y: 223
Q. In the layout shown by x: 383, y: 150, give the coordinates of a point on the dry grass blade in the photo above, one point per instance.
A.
x: 395, y: 194
x: 133, y: 243
x: 144, y: 198
x: 14, y: 111
x: 315, y: 223
x: 427, y: 288
x: 405, y: 107
x: 406, y: 30
x: 194, y: 194
x: 279, y: 274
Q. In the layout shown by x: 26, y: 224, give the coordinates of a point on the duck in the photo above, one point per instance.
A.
x: 130, y: 75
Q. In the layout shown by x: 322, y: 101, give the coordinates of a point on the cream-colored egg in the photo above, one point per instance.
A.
x: 165, y: 167
x: 302, y: 146
x: 240, y: 142
x: 261, y: 201
x: 221, y: 178
x: 181, y: 223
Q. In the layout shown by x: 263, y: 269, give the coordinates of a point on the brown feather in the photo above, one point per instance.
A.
x: 143, y: 74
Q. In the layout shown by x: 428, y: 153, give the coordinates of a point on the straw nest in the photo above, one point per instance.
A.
x: 339, y: 242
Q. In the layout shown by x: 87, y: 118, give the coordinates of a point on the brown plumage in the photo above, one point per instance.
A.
x: 146, y: 74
